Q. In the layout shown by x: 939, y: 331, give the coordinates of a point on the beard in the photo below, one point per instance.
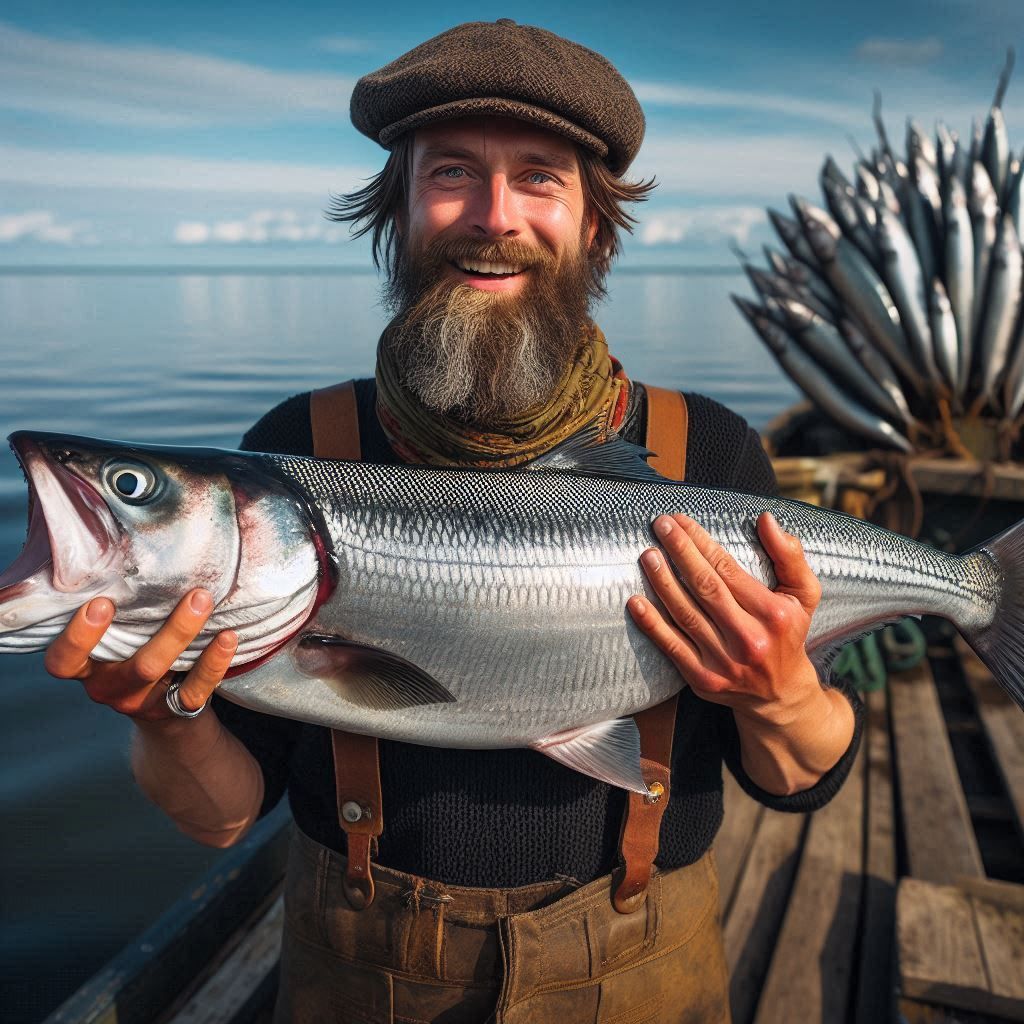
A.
x: 478, y: 356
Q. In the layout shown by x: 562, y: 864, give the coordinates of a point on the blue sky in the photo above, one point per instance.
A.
x: 214, y: 133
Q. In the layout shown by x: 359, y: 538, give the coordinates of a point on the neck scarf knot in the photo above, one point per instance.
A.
x: 594, y: 389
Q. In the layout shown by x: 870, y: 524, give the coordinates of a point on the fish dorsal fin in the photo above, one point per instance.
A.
x: 366, y: 675
x: 593, y: 452
x: 608, y: 751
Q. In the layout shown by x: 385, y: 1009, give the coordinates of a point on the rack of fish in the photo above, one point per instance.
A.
x: 896, y: 308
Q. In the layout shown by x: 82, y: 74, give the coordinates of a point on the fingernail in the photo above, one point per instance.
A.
x: 97, y: 611
x: 663, y: 526
x: 200, y: 602
x: 651, y: 559
x: 227, y: 639
x: 639, y: 605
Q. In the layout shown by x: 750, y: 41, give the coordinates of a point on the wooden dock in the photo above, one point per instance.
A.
x: 879, y: 906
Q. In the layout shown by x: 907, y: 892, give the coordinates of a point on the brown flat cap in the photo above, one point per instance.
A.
x: 507, y: 70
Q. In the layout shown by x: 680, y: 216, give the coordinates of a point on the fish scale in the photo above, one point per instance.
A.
x: 508, y: 590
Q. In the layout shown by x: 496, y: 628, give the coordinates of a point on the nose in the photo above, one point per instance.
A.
x: 495, y: 212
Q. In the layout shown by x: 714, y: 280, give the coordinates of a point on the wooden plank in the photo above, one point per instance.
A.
x: 913, y: 1012
x: 757, y: 910
x: 1003, y: 724
x: 937, y: 830
x: 932, y: 476
x: 811, y: 969
x: 227, y: 995
x: 876, y: 975
x: 957, y: 476
x: 1001, y: 932
x: 735, y: 837
x: 959, y: 950
x: 939, y: 956
x: 992, y: 890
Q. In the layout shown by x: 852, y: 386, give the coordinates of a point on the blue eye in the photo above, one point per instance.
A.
x: 540, y: 174
x: 453, y: 172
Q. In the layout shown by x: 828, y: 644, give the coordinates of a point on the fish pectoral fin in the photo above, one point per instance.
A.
x: 608, y: 751
x: 366, y: 675
x: 591, y: 453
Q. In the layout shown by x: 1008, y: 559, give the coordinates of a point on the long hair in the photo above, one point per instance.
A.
x: 373, y: 209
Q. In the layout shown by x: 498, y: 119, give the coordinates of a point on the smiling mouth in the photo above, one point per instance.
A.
x: 485, y: 268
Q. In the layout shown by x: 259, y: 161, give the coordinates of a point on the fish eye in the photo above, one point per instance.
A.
x: 133, y: 482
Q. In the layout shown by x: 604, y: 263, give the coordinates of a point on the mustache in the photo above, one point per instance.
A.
x: 511, y: 251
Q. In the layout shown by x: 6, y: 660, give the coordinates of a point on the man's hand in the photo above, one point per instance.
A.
x: 738, y: 643
x: 136, y: 687
x: 194, y: 769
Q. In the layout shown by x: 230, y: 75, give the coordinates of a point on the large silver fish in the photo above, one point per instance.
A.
x: 457, y: 608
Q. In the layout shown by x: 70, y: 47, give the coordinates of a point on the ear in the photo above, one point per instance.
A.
x: 592, y: 224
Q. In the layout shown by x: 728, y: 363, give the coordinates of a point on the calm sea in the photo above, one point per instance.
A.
x: 196, y: 358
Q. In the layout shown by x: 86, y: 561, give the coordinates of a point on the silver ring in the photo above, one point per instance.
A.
x: 174, y: 703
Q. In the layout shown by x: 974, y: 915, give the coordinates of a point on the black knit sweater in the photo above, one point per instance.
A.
x: 514, y: 817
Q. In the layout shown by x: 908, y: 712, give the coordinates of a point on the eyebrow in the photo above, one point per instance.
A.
x: 545, y: 158
x: 541, y: 158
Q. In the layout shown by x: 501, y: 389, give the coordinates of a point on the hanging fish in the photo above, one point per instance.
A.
x: 917, y: 263
x: 806, y: 373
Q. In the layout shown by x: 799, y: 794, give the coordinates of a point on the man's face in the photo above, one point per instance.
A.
x: 491, y: 287
x: 489, y: 178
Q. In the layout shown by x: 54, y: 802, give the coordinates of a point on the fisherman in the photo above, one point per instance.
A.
x: 504, y: 886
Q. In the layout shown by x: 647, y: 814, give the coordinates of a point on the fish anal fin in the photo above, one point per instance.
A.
x: 594, y: 452
x: 824, y: 654
x: 365, y: 675
x: 608, y: 751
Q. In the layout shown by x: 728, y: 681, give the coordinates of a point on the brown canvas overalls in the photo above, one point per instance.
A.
x: 368, y: 944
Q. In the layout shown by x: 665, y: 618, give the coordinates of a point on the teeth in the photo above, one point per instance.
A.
x: 479, y: 267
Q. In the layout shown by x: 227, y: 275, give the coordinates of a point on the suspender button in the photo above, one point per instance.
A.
x: 351, y: 811
x: 654, y: 792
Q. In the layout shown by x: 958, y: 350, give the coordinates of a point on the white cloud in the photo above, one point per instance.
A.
x: 764, y: 167
x: 262, y: 227
x: 43, y: 226
x: 697, y: 97
x: 900, y: 51
x: 189, y: 232
x: 708, y: 224
x: 153, y: 86
x: 24, y: 165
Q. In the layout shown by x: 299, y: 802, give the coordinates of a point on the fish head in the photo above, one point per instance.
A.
x: 143, y: 525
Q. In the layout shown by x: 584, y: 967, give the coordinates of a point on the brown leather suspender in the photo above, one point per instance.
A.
x: 335, y: 421
x: 668, y: 423
x: 667, y: 429
x: 335, y: 424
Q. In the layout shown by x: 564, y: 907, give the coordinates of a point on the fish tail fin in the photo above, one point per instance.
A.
x: 1000, y: 645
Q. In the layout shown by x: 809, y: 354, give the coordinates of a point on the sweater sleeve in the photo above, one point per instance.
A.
x: 715, y: 429
x: 808, y: 799
x: 271, y: 740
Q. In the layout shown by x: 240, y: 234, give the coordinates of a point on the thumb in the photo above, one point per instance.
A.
x: 794, y: 575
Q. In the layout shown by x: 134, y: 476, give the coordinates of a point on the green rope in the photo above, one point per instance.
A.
x: 865, y: 665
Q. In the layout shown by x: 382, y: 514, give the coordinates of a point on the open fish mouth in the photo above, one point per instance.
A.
x: 72, y: 537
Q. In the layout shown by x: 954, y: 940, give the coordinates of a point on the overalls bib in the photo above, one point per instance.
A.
x: 368, y: 944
